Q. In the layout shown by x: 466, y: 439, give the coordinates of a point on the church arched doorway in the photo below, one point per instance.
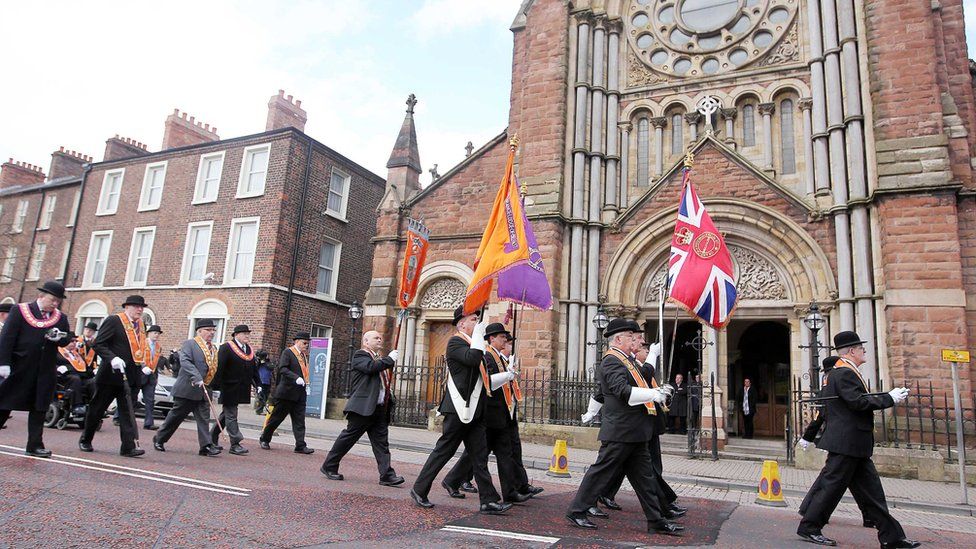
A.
x: 759, y: 351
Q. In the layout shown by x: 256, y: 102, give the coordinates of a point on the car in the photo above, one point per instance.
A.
x: 162, y: 403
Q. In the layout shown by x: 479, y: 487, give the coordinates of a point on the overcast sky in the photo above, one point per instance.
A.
x: 76, y: 73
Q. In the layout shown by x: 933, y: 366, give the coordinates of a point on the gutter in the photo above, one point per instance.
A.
x: 298, y: 238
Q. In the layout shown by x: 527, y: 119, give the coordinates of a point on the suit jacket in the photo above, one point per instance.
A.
x: 752, y: 400
x: 679, y: 402
x: 193, y: 370
x: 621, y: 422
x: 233, y: 378
x: 365, y: 383
x: 464, y: 363
x: 31, y: 357
x: 289, y: 370
x: 850, y: 418
x: 112, y: 342
x: 496, y: 410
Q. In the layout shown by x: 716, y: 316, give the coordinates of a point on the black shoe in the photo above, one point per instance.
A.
x: 902, y: 543
x: 581, y: 522
x: 868, y: 523
x: 495, y: 508
x: 264, y: 445
x: 672, y: 514
x: 85, y: 446
x: 609, y: 503
x: 331, y: 475
x: 391, y: 480
x: 420, y: 500
x: 38, y: 452
x: 518, y: 498
x: 158, y: 446
x: 150, y: 427
x: 304, y: 450
x: 596, y: 512
x: 819, y: 539
x: 238, y: 450
x: 469, y: 488
x: 534, y: 491
x: 665, y: 528
x: 209, y: 451
x: 677, y: 508
x: 135, y: 452
x: 451, y: 491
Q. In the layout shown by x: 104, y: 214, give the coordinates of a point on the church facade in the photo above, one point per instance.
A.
x: 831, y: 148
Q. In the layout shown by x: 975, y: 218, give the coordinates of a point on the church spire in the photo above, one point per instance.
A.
x: 403, y: 175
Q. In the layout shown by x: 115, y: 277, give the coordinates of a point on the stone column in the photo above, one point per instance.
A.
x: 729, y: 116
x: 821, y: 159
x: 806, y: 104
x: 597, y: 121
x: 692, y: 118
x: 659, y: 123
x: 767, y: 110
x: 410, y: 336
x: 625, y: 128
x: 611, y: 202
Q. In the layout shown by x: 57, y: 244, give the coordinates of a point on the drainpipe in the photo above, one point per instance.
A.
x: 30, y: 250
x: 298, y: 239
x: 74, y: 228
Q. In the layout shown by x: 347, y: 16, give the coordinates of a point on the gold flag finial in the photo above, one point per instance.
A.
x: 514, y: 141
x: 689, y: 159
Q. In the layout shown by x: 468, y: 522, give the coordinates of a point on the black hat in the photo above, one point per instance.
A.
x: 5, y: 307
x: 135, y: 300
x: 459, y: 314
x: 92, y: 326
x: 618, y: 325
x: 54, y: 288
x: 206, y: 323
x: 302, y: 335
x: 240, y: 329
x: 829, y: 362
x: 847, y: 339
x: 261, y: 353
x: 155, y: 328
x: 495, y: 328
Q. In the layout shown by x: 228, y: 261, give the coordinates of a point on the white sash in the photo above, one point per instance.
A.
x: 465, y: 410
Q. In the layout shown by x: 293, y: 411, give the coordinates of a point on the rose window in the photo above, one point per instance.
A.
x: 690, y: 38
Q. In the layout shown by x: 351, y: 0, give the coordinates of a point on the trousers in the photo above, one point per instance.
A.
x: 635, y: 461
x: 35, y: 428
x: 183, y: 407
x: 104, y: 395
x: 227, y: 419
x: 498, y: 442
x: 285, y: 408
x: 377, y: 428
x: 456, y: 432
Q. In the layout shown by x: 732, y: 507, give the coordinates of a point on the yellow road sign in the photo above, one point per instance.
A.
x: 951, y: 355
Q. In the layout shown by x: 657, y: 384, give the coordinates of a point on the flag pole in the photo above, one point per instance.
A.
x: 689, y: 162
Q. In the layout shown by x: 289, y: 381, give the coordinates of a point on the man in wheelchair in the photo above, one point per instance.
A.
x: 76, y: 377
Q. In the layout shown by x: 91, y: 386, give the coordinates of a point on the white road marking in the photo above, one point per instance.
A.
x: 152, y: 475
x: 499, y: 534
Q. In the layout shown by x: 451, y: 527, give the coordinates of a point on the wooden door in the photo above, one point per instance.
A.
x: 437, y: 336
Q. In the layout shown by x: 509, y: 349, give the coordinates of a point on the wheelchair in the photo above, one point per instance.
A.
x: 60, y: 414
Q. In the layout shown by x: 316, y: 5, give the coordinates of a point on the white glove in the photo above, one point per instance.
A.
x: 478, y: 335
x: 804, y: 444
x: 395, y: 355
x: 653, y: 353
x: 62, y: 369
x: 513, y: 364
x: 198, y: 383
x: 668, y: 389
x: 300, y: 382
x: 898, y: 394
x: 118, y: 364
x: 4, y: 371
x: 216, y: 395
x: 146, y: 370
x: 591, y: 410
x: 501, y: 378
x: 641, y: 395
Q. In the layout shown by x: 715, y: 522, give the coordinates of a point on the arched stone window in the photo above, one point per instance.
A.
x: 148, y: 317
x: 91, y: 311
x: 10, y: 300
x: 748, y: 125
x: 677, y: 134
x: 643, y: 151
x: 787, y: 138
x: 215, y: 310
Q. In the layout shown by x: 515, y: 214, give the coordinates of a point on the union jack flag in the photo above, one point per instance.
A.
x: 700, y: 272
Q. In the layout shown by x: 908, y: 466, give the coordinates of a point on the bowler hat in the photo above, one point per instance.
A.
x: 459, y: 314
x: 495, y: 328
x: 847, y: 339
x: 241, y: 329
x: 135, y: 300
x: 5, y: 307
x: 54, y: 288
x: 92, y: 326
x: 829, y: 362
x: 206, y: 323
x: 618, y: 325
x: 302, y: 335
x: 155, y: 328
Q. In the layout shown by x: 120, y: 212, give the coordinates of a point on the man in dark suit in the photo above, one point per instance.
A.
x: 368, y: 409
x: 122, y: 347
x: 290, y: 394
x: 463, y: 408
x: 235, y: 364
x: 748, y: 399
x: 848, y: 439
x: 28, y: 351
x: 4, y: 312
x: 624, y: 432
x: 198, y: 365
x: 678, y: 411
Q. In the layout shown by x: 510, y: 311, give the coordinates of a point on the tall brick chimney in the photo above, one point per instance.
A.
x: 285, y: 112
x: 182, y: 130
x: 14, y: 173
x: 117, y: 148
x: 67, y: 163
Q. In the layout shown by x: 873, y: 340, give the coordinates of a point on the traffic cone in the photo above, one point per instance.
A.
x: 770, y: 488
x: 559, y: 464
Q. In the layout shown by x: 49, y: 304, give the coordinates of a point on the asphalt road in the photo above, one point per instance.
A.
x: 279, y: 499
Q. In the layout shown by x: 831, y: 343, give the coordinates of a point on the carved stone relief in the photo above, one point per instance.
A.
x: 638, y: 74
x: 757, y: 278
x: 788, y: 51
x: 446, y: 293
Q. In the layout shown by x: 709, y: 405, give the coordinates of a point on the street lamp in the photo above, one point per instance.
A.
x: 814, y: 322
x: 600, y: 321
x: 355, y: 313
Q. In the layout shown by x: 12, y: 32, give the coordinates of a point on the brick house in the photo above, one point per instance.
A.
x: 833, y: 146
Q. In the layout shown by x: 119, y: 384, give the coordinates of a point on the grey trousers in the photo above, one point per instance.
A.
x: 183, y: 407
x: 228, y: 419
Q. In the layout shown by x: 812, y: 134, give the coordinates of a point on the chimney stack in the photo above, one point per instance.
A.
x: 117, y: 148
x: 14, y: 173
x: 182, y: 130
x: 285, y: 112
x: 67, y: 163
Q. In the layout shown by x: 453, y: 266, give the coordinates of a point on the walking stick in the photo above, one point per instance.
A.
x: 835, y: 397
x: 128, y: 399
x: 213, y: 408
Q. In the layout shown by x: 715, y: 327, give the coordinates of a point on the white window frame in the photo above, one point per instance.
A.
x: 47, y: 211
x: 242, y: 178
x: 144, y: 205
x: 36, y: 261
x: 341, y: 214
x: 93, y: 310
x: 335, y: 269
x: 9, y: 261
x: 103, y: 195
x: 201, y: 174
x: 90, y: 260
x: 229, y: 262
x: 220, y: 317
x: 20, y: 216
x: 131, y: 265
x: 325, y: 327
x: 73, y: 217
x: 187, y: 255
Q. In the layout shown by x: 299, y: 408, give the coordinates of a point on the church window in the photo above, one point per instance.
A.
x: 677, y: 140
x: 643, y: 151
x: 748, y: 126
x: 787, y: 145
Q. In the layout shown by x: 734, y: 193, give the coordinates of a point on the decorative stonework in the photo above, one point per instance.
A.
x: 788, y: 51
x: 446, y: 293
x: 639, y: 75
x: 757, y: 278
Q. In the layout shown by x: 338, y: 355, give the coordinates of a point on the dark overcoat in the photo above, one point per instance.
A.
x: 233, y: 377
x: 32, y: 359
